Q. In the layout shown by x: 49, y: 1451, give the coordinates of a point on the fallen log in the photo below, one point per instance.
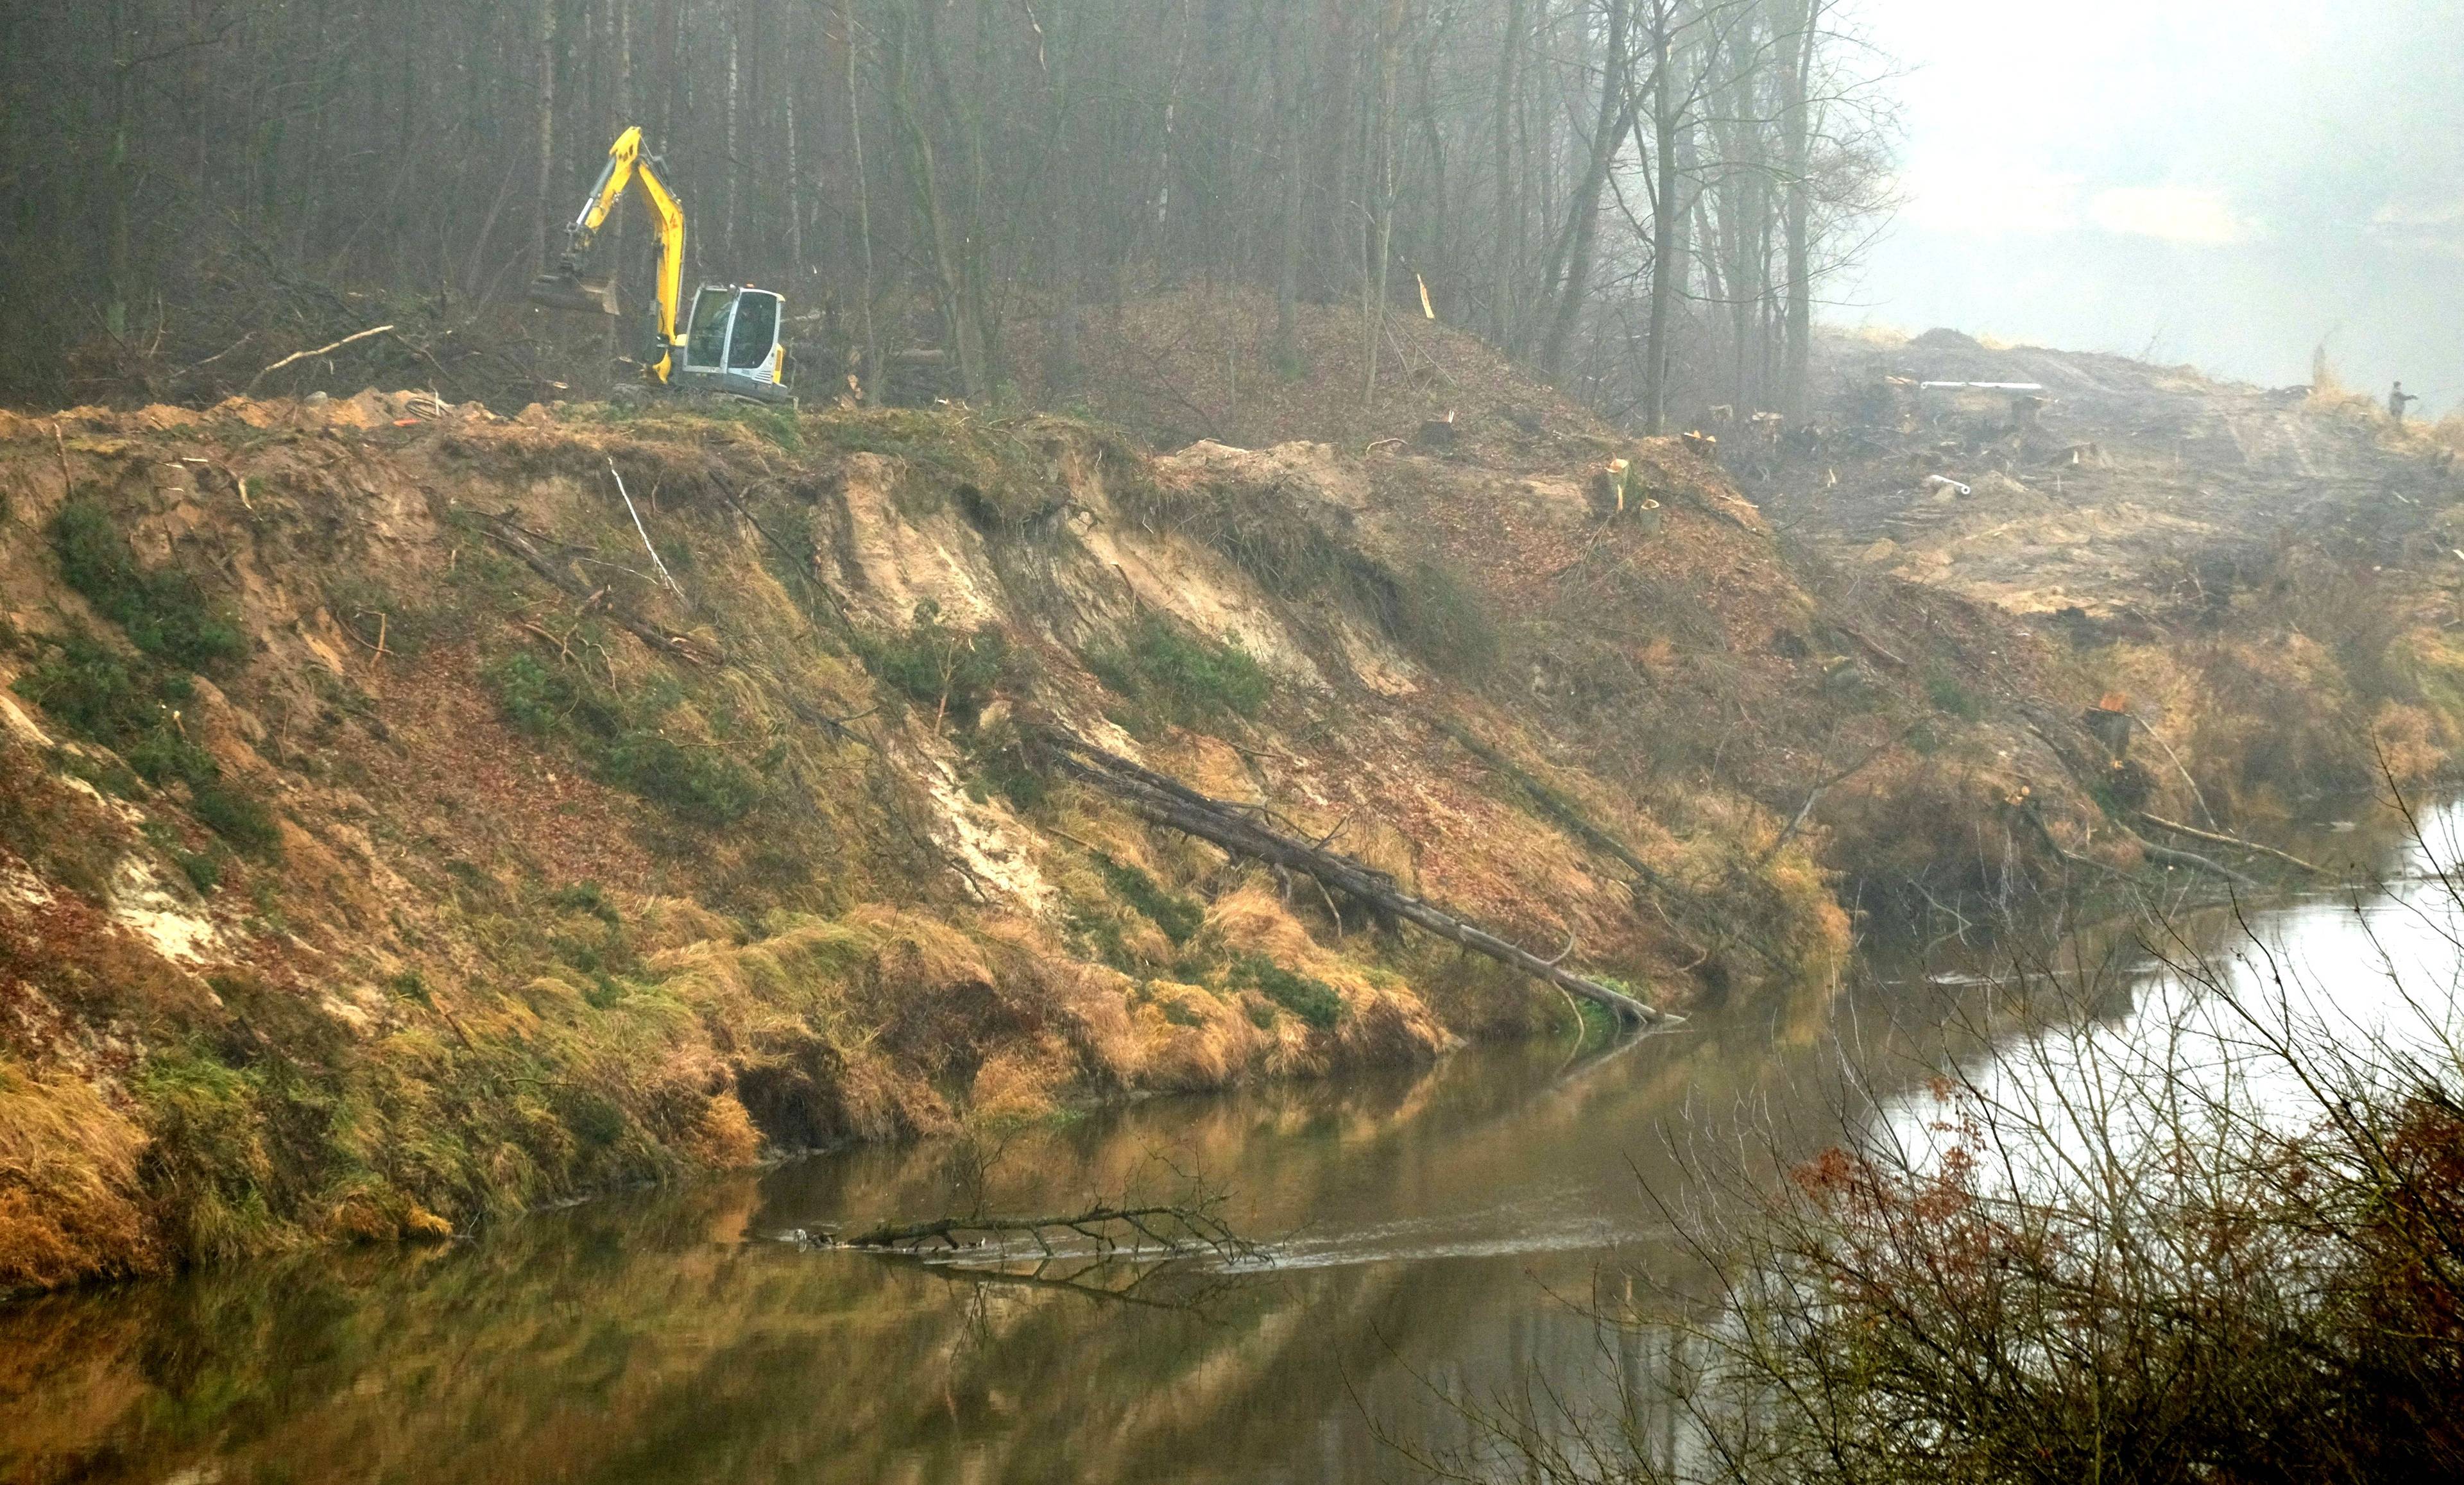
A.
x: 2235, y: 841
x: 1557, y: 806
x: 2163, y: 855
x: 2167, y: 856
x: 1166, y: 802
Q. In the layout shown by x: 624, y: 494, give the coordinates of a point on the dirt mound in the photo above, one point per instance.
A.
x: 1203, y: 364
x: 1945, y: 338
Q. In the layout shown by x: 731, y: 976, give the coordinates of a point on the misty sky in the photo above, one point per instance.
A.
x: 2222, y: 182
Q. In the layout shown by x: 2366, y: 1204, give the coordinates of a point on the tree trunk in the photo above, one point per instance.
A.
x: 120, y: 185
x: 1390, y: 40
x: 1506, y: 246
x: 1616, y: 120
x: 1434, y: 250
x: 1668, y: 209
x: 923, y: 179
x: 1288, y: 95
x: 732, y: 112
x: 1798, y: 53
x: 543, y: 212
x: 667, y: 48
x: 1166, y: 802
x: 870, y: 371
x: 794, y: 190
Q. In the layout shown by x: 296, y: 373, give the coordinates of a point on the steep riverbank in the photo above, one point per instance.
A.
x: 404, y: 822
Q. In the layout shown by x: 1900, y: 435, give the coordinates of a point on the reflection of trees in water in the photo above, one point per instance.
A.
x: 620, y: 1341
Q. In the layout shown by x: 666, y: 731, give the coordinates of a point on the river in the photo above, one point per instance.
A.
x: 1429, y: 1235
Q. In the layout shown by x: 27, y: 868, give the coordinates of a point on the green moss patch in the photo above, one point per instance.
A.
x: 131, y: 706
x: 164, y: 610
x: 622, y: 741
x: 1313, y: 1000
x: 1170, y: 676
x: 1180, y: 917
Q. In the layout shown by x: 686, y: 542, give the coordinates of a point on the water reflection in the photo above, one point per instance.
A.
x: 1434, y: 1234
x: 2209, y: 1028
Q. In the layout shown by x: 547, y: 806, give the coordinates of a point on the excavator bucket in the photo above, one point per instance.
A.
x: 572, y: 291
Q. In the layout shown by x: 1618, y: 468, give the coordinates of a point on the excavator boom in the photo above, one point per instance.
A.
x: 732, y: 346
x: 565, y: 288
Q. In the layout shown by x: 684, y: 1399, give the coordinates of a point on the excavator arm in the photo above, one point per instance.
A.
x: 566, y: 288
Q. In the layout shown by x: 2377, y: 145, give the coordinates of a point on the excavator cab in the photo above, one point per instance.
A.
x: 732, y: 343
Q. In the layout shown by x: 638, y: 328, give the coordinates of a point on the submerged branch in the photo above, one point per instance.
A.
x: 1166, y: 1227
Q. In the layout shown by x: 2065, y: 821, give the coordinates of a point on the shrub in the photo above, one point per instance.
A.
x: 92, y: 689
x: 701, y: 784
x: 203, y: 871
x: 1173, y: 676
x: 2220, y: 1239
x: 1005, y: 768
x: 237, y: 817
x: 1948, y: 696
x: 165, y: 754
x: 165, y: 611
x: 1441, y: 618
x: 955, y: 671
x: 622, y: 742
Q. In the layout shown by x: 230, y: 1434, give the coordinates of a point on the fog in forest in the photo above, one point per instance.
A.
x: 2226, y: 184
x: 2230, y: 186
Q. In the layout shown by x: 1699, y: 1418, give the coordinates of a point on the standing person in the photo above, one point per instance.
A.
x: 2398, y: 401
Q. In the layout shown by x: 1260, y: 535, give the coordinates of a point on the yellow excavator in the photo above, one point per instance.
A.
x: 731, y: 344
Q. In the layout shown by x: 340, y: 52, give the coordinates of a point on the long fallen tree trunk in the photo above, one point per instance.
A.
x: 1166, y: 802
x: 1689, y: 904
x: 2214, y: 837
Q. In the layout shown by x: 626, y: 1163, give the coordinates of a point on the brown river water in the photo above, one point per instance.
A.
x: 1428, y: 1236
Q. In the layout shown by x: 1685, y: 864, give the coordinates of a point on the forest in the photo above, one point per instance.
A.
x: 1632, y: 196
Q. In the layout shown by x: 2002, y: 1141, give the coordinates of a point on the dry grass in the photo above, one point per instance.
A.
x: 71, y: 1203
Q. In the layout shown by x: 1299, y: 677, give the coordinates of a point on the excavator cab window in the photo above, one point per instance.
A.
x: 734, y: 330
x: 706, y: 342
x: 757, y: 331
